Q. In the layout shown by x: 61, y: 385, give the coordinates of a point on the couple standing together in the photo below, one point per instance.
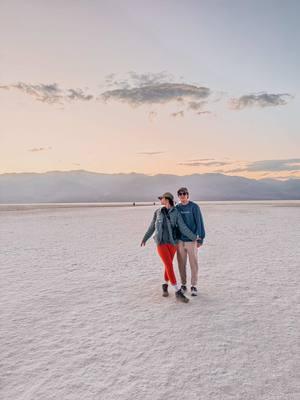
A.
x: 178, y: 229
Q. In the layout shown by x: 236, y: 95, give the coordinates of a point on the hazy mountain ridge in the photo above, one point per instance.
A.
x: 85, y: 186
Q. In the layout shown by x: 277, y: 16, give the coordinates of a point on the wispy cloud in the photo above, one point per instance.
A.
x: 149, y: 89
x: 150, y: 78
x: 200, y: 159
x: 150, y: 153
x: 177, y: 114
x: 49, y: 93
x: 38, y: 149
x: 78, y: 94
x: 204, y: 164
x: 156, y: 88
x: 196, y: 105
x: 275, y: 169
x: 159, y: 93
x: 134, y: 79
x: 204, y: 112
x: 259, y: 100
x: 46, y: 93
x: 291, y: 164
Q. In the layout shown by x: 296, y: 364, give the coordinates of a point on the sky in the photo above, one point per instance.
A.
x: 150, y: 87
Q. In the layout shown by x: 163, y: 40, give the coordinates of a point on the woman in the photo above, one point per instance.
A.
x: 165, y: 223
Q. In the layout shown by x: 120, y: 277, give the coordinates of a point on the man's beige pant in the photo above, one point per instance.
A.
x: 184, y: 250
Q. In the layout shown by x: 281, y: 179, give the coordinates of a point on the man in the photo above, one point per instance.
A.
x: 192, y: 217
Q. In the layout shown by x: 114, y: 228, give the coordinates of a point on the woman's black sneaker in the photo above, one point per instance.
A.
x: 165, y: 290
x: 180, y: 296
x: 183, y: 288
x: 194, y: 291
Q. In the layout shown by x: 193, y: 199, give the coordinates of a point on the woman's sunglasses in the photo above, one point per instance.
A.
x: 182, y: 193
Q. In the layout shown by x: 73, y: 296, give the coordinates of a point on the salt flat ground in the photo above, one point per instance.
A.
x: 82, y: 316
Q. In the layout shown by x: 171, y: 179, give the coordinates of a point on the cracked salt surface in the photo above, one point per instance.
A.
x: 82, y: 316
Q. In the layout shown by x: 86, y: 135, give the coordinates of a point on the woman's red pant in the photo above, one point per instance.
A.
x: 167, y: 252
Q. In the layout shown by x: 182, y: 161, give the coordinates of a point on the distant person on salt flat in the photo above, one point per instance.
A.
x: 165, y: 225
x: 188, y: 248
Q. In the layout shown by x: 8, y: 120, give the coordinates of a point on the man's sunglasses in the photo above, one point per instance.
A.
x: 182, y: 193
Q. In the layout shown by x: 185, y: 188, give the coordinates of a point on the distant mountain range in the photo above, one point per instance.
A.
x: 84, y: 186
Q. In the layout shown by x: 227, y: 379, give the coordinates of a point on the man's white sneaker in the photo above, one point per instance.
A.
x: 194, y: 291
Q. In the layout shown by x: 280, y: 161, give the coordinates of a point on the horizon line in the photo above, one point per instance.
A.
x: 145, y: 174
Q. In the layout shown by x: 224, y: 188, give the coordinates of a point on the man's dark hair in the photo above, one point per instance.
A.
x: 182, y: 189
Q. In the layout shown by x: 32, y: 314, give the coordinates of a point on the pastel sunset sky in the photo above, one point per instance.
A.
x: 152, y: 87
